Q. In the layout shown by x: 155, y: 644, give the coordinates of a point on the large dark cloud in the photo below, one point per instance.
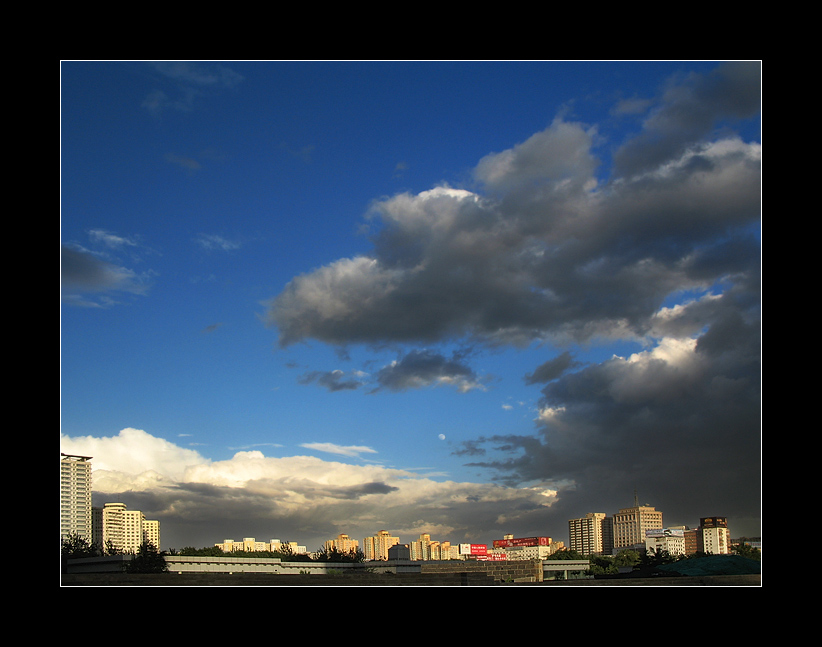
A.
x: 549, y: 251
x: 664, y: 250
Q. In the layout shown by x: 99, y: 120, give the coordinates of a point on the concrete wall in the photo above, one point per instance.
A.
x: 526, y: 570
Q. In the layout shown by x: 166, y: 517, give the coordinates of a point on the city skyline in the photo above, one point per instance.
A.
x: 460, y: 298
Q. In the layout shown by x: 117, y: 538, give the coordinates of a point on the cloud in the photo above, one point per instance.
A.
x: 557, y: 245
x: 185, y: 82
x: 335, y: 380
x: 423, y: 368
x: 91, y: 281
x: 353, y: 451
x: 215, y: 241
x: 679, y: 422
x: 549, y: 253
x: 551, y: 369
x: 200, y: 502
x: 689, y: 110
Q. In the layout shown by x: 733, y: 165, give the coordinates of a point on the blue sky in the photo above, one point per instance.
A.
x: 463, y: 298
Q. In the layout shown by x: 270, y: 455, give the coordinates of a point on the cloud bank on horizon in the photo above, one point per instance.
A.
x: 566, y: 241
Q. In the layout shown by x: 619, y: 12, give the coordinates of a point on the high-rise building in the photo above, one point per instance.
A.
x: 593, y: 534
x: 420, y: 548
x: 124, y: 530
x: 343, y: 544
x: 713, y: 536
x: 631, y: 524
x: 75, y: 496
x: 376, y: 547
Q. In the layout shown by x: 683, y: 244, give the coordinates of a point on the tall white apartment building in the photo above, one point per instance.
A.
x: 592, y: 534
x: 75, y: 496
x: 376, y: 547
x: 631, y: 524
x: 123, y: 529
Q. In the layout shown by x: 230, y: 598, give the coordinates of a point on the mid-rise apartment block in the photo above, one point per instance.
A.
x: 75, y: 496
x: 251, y: 545
x: 124, y: 530
x: 376, y: 547
x: 343, y: 544
x: 631, y: 524
x: 713, y: 536
x: 669, y: 540
x: 592, y: 534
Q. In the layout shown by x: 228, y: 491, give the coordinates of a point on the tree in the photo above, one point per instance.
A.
x: 324, y: 554
x: 626, y: 557
x: 746, y: 550
x: 567, y: 553
x: 74, y: 546
x: 147, y: 560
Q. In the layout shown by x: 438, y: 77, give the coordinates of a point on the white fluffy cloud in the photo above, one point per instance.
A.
x: 298, y: 498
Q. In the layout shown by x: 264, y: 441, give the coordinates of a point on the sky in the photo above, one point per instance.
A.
x: 463, y: 298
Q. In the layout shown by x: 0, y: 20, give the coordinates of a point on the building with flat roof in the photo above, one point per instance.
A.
x: 117, y: 527
x: 713, y: 536
x: 75, y: 496
x: 592, y: 534
x: 631, y: 524
x: 376, y: 547
x: 343, y: 544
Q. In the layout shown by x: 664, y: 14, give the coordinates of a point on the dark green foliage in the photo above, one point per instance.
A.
x: 355, y: 555
x: 147, y: 560
x: 75, y: 546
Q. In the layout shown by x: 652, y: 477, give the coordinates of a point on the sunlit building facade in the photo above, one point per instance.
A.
x: 118, y: 528
x: 342, y: 544
x: 75, y: 496
x: 592, y: 534
x: 713, y: 536
x: 631, y: 524
x: 376, y: 547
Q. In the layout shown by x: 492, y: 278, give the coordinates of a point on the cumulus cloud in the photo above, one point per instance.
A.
x: 679, y: 422
x: 199, y: 502
x: 554, y: 244
x: 549, y: 252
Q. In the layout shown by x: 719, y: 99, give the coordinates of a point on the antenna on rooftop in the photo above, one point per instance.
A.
x: 636, y: 501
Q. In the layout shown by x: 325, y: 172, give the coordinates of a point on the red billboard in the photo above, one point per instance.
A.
x: 522, y: 541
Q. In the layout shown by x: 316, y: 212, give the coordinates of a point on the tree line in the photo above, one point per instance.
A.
x: 627, y: 558
x: 149, y: 559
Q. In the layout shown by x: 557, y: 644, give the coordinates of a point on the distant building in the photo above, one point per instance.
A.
x: 592, y: 534
x: 251, y: 545
x: 518, y: 548
x: 399, y: 552
x: 376, y: 547
x: 419, y: 548
x: 343, y: 544
x: 75, y: 496
x: 691, y: 541
x: 670, y: 540
x: 713, y: 536
x: 631, y: 524
x: 124, y: 530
